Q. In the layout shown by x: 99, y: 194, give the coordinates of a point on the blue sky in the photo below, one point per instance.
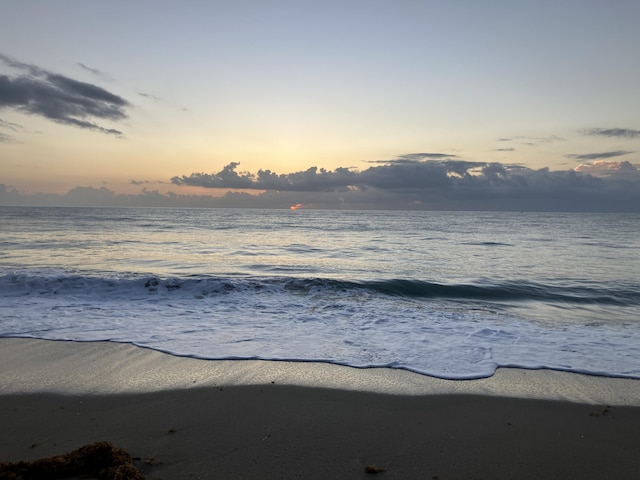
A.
x: 173, y: 102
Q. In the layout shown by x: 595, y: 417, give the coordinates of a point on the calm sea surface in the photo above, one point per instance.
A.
x: 454, y: 295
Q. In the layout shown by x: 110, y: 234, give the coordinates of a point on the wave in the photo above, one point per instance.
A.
x: 456, y: 331
x: 569, y: 292
x: 514, y: 291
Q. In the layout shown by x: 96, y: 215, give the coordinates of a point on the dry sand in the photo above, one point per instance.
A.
x: 184, y: 418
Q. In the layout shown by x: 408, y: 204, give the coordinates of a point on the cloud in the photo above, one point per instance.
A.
x: 312, y: 179
x: 13, y: 127
x: 94, y: 71
x: 395, y: 175
x: 10, y: 125
x: 613, y: 132
x: 532, y: 141
x: 58, y: 98
x: 149, y: 96
x: 414, y: 157
x: 147, y: 182
x: 504, y: 150
x: 602, y: 186
x: 597, y: 156
x: 610, y: 169
x: 448, y: 184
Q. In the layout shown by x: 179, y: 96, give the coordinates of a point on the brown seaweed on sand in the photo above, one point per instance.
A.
x: 99, y: 460
x: 374, y: 469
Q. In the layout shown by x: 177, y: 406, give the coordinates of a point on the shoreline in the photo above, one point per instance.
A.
x: 57, y: 366
x: 185, y: 418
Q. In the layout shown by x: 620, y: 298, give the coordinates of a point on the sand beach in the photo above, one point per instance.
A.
x: 187, y: 418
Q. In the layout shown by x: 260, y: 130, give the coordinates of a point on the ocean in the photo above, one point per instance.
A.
x: 448, y: 294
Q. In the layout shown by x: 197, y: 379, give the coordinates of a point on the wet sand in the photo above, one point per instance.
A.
x: 184, y: 418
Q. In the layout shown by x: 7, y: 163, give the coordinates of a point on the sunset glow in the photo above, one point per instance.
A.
x: 445, y: 105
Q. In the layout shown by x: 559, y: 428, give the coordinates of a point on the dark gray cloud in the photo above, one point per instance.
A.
x: 504, y: 150
x: 613, y: 132
x: 312, y: 179
x: 597, y: 156
x: 62, y: 99
x: 428, y: 185
x: 403, y: 175
x: 440, y: 185
x: 404, y: 172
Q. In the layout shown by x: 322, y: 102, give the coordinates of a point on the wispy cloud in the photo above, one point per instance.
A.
x: 532, y: 141
x: 149, y: 96
x: 146, y: 182
x: 414, y: 157
x: 58, y: 98
x: 613, y: 132
x: 597, y: 156
x: 94, y: 71
x: 11, y: 126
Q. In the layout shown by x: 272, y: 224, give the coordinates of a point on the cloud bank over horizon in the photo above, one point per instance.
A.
x: 412, y: 181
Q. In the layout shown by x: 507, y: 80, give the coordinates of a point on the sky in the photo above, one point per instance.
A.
x: 444, y: 105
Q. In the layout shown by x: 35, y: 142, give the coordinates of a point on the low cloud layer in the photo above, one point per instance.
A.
x: 402, y: 175
x: 449, y: 184
x: 36, y: 91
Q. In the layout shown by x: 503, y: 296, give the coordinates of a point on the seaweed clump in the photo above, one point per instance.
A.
x: 100, y: 460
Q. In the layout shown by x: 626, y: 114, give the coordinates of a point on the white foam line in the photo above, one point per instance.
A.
x: 33, y: 366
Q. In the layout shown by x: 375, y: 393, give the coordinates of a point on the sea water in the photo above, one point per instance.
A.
x: 449, y: 294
